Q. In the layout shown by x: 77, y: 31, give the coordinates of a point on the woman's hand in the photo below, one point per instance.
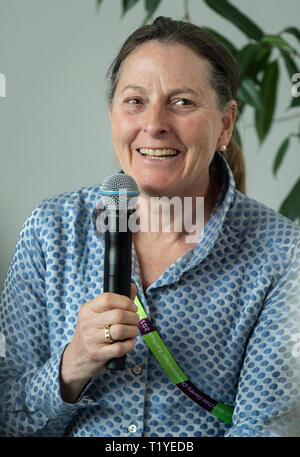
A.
x: 88, y: 352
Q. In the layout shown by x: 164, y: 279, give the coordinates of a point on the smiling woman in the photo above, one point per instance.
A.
x: 166, y: 130
x: 221, y: 74
x: 224, y: 309
x: 172, y: 105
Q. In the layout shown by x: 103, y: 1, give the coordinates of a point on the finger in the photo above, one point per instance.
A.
x: 118, y: 349
x: 133, y: 291
x: 119, y: 332
x: 116, y: 316
x: 109, y: 300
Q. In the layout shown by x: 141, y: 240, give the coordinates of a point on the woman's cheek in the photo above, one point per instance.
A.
x: 191, y: 128
x: 126, y: 128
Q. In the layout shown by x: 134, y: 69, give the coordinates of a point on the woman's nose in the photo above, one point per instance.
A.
x: 156, y: 121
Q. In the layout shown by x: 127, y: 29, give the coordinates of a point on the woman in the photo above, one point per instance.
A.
x: 225, y: 305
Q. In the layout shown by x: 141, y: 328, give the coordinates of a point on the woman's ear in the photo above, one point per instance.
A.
x: 228, y: 120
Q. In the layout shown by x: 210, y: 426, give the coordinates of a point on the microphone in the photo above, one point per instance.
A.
x: 119, y: 194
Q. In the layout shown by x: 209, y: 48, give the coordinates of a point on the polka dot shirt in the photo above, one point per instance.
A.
x: 228, y: 310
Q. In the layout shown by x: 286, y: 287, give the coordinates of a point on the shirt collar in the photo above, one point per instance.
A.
x: 214, y: 225
x: 212, y: 230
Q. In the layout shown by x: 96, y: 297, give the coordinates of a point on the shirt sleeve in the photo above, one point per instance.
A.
x: 268, y: 396
x: 30, y: 400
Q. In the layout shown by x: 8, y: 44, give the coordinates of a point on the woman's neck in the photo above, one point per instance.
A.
x: 175, y: 219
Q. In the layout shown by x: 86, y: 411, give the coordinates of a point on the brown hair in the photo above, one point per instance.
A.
x: 235, y: 159
x: 224, y: 76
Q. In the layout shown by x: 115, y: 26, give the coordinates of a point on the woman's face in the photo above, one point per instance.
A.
x: 165, y: 121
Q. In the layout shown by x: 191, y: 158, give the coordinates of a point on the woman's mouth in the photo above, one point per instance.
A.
x: 158, y: 154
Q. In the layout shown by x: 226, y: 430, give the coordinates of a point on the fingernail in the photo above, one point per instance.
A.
x: 134, y: 306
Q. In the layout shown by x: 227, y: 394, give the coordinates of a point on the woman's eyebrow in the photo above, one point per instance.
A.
x: 130, y: 86
x: 184, y: 90
x: 179, y: 90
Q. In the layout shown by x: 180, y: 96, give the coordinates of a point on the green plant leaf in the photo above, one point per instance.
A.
x: 99, y: 2
x: 295, y: 102
x: 236, y: 17
x: 293, y: 31
x: 249, y: 94
x: 259, y: 62
x: 150, y: 6
x: 245, y: 57
x: 223, y: 40
x: 276, y: 40
x: 127, y: 4
x: 280, y: 155
x: 290, y: 64
x: 264, y: 117
x: 291, y: 205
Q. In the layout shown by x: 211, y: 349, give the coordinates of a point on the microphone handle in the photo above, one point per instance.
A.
x: 117, y: 266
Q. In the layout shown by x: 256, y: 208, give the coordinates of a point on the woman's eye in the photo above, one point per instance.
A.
x: 183, y: 102
x: 133, y: 101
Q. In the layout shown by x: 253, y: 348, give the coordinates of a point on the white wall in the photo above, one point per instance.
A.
x: 54, y: 128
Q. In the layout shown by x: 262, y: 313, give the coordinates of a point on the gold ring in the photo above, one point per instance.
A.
x: 107, y: 334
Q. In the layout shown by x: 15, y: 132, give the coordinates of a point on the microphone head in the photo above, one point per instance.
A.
x: 119, y: 192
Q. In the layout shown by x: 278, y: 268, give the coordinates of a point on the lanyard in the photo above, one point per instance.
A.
x: 168, y: 363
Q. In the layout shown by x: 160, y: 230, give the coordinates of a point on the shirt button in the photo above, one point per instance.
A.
x: 132, y: 428
x: 137, y: 369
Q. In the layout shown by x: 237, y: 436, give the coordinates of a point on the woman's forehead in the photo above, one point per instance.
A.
x: 167, y: 52
x: 175, y: 61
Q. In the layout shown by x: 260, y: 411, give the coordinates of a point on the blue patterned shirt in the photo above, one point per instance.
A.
x: 227, y: 310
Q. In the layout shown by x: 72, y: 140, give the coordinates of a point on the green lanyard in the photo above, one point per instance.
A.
x: 168, y: 363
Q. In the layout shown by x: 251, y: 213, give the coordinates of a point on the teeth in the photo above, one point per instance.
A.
x: 158, y: 152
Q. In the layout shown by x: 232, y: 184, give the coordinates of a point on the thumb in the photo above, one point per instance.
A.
x: 133, y: 291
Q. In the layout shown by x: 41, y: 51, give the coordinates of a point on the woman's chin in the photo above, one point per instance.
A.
x: 156, y: 183
x: 157, y: 190
x: 152, y: 191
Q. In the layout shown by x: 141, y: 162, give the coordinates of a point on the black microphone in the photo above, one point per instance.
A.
x: 119, y: 194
